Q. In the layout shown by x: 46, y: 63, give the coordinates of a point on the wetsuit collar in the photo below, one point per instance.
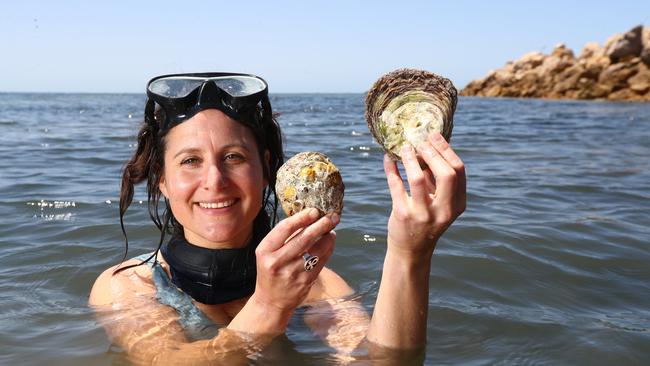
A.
x: 212, y: 276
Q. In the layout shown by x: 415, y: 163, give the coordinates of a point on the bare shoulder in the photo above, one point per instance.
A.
x: 109, y: 286
x: 328, y: 285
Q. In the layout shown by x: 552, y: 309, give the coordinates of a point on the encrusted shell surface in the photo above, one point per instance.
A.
x: 309, y: 179
x: 406, y: 105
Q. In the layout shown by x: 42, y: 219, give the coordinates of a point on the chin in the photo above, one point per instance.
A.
x: 223, y: 234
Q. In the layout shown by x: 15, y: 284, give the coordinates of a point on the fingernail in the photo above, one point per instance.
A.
x: 313, y: 213
x: 335, y: 218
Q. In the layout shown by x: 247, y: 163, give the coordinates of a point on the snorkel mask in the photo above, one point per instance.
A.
x: 181, y: 96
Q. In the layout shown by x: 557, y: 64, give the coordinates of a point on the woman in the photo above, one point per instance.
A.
x: 211, y: 147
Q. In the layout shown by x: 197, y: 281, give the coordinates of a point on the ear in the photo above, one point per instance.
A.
x: 162, y: 186
x: 267, y: 165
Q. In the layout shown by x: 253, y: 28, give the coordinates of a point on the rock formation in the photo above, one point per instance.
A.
x: 620, y: 70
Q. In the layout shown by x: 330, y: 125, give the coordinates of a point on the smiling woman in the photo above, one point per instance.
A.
x: 210, y: 149
x: 213, y: 179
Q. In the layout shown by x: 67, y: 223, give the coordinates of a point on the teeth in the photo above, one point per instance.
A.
x: 217, y: 204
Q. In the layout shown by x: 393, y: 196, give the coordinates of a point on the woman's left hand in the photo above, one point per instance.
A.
x: 437, y: 196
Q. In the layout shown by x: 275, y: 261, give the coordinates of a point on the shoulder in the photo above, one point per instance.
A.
x: 328, y: 285
x: 109, y: 286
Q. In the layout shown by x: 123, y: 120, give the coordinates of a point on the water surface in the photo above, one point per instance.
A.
x: 548, y: 265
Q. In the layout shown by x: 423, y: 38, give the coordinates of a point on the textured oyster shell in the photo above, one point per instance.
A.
x: 406, y: 105
x: 309, y: 179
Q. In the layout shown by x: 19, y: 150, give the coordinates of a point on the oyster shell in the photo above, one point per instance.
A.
x: 406, y: 105
x: 309, y: 179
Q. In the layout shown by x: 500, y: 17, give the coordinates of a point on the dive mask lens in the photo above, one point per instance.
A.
x: 239, y: 86
x: 175, y: 86
x: 181, y: 86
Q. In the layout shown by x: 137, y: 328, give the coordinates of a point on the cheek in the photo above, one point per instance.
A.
x: 253, y: 181
x: 179, y: 185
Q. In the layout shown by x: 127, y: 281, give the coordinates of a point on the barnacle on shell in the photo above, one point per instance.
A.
x: 309, y: 179
x: 406, y: 105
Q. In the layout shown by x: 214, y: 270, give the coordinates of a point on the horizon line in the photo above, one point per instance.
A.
x: 144, y: 93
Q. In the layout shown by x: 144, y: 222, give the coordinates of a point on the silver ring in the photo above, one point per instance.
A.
x: 310, y: 261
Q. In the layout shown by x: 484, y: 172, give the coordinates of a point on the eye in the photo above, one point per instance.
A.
x: 234, y: 157
x: 190, y: 161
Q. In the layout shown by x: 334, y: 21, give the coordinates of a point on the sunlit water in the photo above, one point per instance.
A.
x: 550, y: 264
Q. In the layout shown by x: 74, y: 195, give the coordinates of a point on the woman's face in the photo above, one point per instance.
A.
x: 213, y: 179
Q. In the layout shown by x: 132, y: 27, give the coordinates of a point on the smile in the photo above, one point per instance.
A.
x: 222, y: 204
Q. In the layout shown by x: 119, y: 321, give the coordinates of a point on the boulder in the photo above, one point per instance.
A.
x: 626, y: 94
x: 528, y: 61
x: 640, y: 82
x: 562, y: 52
x: 553, y: 65
x: 645, y: 56
x: 627, y: 45
x: 590, y: 50
x: 528, y: 84
x: 615, y: 76
x: 568, y: 79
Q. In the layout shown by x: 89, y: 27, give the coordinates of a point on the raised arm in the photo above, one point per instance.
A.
x: 437, y: 197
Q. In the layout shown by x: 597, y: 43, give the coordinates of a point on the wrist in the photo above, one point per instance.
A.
x: 261, y: 318
x: 409, y: 253
x: 407, y: 262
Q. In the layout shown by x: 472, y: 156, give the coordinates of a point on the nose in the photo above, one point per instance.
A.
x: 215, y: 178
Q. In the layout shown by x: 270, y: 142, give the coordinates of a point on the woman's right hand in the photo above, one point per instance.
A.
x: 282, y: 281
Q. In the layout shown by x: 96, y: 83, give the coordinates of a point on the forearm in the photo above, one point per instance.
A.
x: 400, y: 316
x: 161, y: 341
x: 227, y: 348
x: 259, y: 319
x: 341, y: 325
x: 154, y: 336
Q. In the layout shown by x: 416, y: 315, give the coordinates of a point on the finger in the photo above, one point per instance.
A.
x: 443, y: 173
x: 431, y: 183
x: 307, y: 237
x: 323, y: 249
x: 448, y: 154
x: 415, y: 175
x: 394, y: 179
x: 456, y: 163
x: 276, y: 238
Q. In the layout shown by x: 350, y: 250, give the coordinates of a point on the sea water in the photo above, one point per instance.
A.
x: 550, y: 264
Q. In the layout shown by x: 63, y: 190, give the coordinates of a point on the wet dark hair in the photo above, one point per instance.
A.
x: 147, y: 164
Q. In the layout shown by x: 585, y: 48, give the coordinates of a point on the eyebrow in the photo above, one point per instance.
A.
x: 195, y: 150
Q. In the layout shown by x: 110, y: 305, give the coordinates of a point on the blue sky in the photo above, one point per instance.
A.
x: 297, y: 46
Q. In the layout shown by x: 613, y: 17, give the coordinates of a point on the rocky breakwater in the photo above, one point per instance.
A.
x: 620, y: 70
